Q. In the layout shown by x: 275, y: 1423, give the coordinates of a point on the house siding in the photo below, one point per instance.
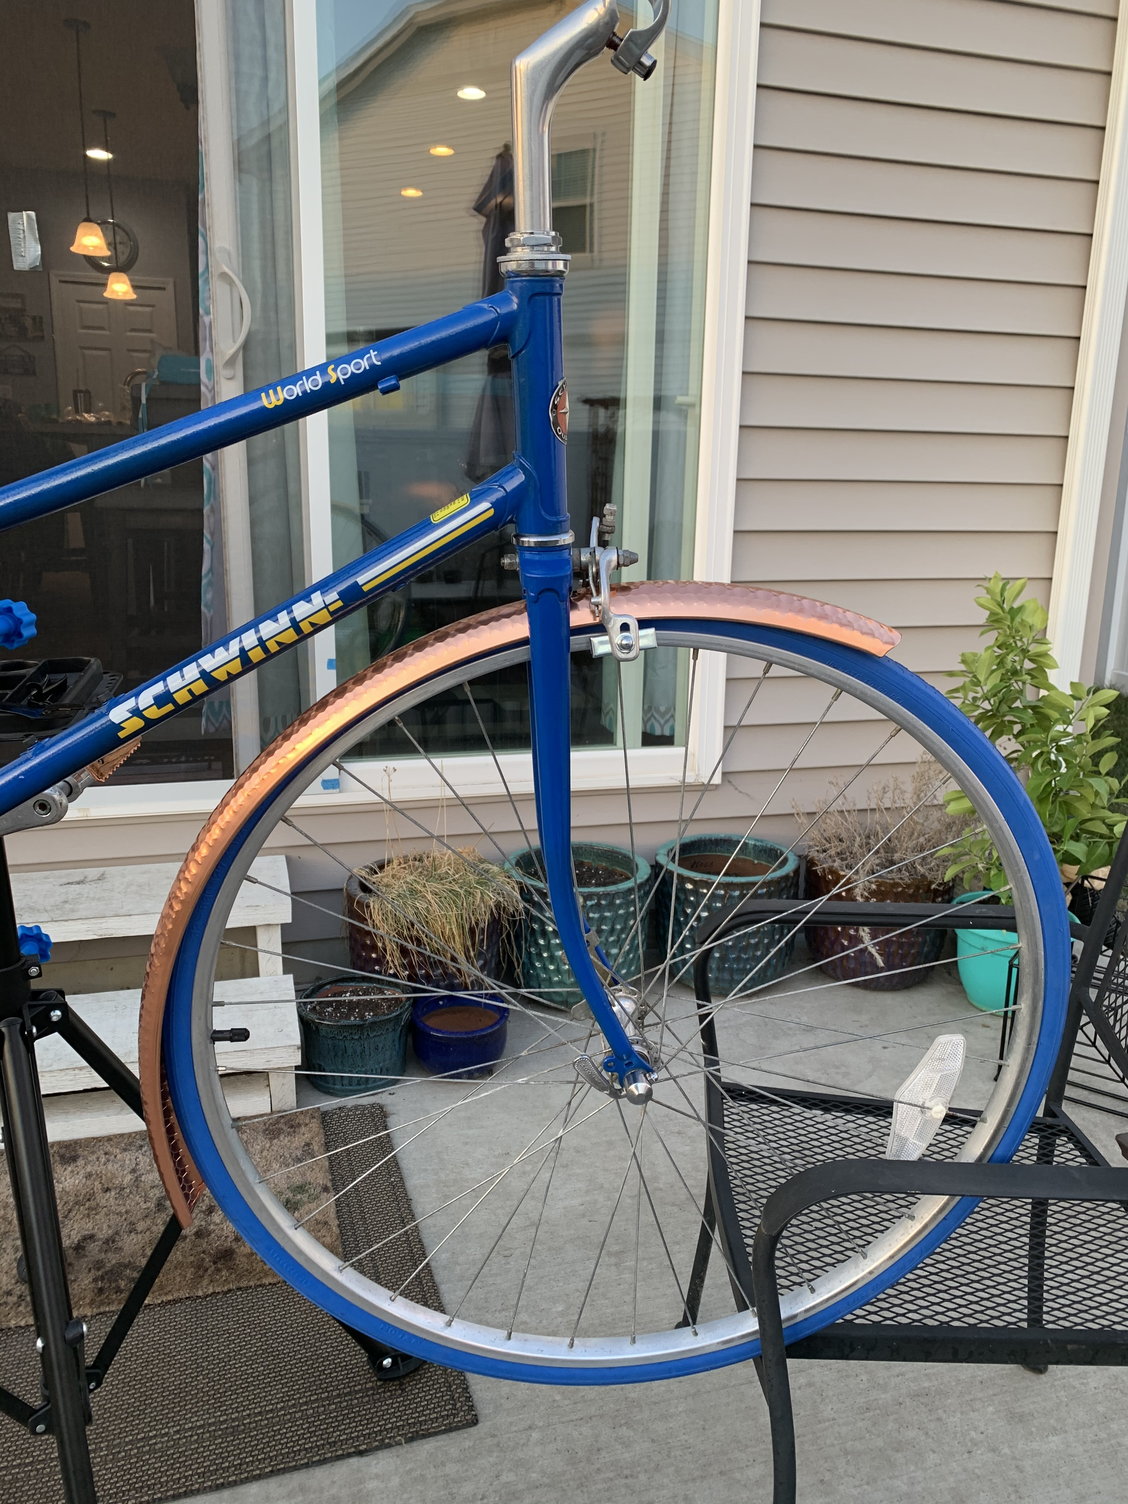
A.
x: 922, y: 200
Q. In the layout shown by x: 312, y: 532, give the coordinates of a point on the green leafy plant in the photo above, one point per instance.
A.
x: 1052, y: 737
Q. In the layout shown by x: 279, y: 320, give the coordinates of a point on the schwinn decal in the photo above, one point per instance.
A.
x: 558, y: 412
x: 211, y: 670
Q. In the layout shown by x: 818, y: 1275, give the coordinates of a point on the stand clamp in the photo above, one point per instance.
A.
x: 49, y: 807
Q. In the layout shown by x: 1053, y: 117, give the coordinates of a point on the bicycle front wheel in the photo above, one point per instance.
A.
x: 546, y: 1229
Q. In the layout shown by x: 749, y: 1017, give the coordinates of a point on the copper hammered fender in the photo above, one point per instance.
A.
x: 432, y: 655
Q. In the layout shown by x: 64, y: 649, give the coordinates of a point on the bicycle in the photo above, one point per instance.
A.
x: 586, y: 1151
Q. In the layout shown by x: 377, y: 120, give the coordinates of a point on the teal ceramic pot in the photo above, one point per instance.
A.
x: 984, y: 960
x: 614, y: 887
x: 354, y: 1035
x: 703, y: 876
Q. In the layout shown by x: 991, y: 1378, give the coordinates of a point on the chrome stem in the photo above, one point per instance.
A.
x: 539, y: 74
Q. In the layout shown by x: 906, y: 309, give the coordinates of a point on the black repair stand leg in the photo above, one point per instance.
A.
x: 33, y: 1190
x: 387, y: 1363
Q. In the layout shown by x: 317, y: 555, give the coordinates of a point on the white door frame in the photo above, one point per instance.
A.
x: 1090, y: 423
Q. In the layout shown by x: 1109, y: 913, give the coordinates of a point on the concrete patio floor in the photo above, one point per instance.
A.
x: 867, y: 1432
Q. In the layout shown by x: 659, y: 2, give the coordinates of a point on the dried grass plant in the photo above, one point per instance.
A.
x: 900, y: 833
x: 440, y: 901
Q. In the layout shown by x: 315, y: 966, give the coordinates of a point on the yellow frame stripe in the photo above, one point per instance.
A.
x: 428, y: 548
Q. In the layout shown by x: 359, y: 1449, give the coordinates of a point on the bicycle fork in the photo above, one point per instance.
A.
x: 545, y: 559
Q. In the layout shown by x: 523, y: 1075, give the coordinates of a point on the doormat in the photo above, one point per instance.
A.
x: 220, y: 1388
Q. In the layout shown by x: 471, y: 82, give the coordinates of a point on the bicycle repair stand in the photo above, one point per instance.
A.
x: 66, y: 689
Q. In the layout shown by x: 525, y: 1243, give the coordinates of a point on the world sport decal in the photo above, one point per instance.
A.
x: 558, y: 412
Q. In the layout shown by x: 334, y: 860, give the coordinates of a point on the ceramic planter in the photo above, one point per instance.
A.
x: 703, y: 876
x: 371, y: 953
x: 354, y: 1034
x: 879, y: 958
x: 459, y: 1035
x: 614, y: 886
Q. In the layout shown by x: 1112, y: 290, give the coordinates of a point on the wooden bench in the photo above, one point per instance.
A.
x: 101, y: 903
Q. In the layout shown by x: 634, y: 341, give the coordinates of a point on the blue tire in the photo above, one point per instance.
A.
x: 605, y: 1345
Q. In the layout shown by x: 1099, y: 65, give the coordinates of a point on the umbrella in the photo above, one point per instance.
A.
x: 492, y: 433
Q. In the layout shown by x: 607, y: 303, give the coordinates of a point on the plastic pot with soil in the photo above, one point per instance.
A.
x: 613, y: 885
x: 703, y: 876
x: 354, y: 1034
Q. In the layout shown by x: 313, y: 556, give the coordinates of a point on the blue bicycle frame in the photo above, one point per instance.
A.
x: 530, y: 492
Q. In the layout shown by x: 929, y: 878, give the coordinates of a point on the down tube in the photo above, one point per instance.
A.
x: 446, y: 532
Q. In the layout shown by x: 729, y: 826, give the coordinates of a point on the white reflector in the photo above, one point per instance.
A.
x: 920, y: 1102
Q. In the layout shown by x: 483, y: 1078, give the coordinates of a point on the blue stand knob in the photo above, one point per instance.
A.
x: 34, y: 941
x: 17, y: 624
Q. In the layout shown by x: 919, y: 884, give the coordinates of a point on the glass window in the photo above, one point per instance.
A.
x: 125, y: 577
x: 416, y: 180
x: 573, y: 178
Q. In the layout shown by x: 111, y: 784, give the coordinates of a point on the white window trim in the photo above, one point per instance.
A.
x: 738, y: 33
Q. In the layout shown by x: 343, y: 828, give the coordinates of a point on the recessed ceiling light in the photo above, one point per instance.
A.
x: 99, y: 154
x: 441, y: 151
x: 471, y: 91
x: 411, y: 193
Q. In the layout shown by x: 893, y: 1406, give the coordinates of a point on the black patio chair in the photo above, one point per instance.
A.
x: 1038, y: 1273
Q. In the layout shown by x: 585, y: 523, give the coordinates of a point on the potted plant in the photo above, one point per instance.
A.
x: 888, y: 849
x: 701, y: 876
x: 354, y: 1034
x: 613, y: 885
x: 1059, y: 745
x: 438, y: 919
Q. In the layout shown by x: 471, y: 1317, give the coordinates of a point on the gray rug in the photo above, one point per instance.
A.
x: 219, y: 1389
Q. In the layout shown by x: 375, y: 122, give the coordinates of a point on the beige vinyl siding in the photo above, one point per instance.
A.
x: 923, y: 191
x: 814, y: 506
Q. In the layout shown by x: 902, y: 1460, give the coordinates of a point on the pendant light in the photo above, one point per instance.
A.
x: 118, y: 285
x: 88, y: 238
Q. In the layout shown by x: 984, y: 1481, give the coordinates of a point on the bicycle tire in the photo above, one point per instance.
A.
x: 266, y: 795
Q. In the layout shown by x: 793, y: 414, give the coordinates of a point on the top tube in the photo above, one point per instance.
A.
x: 380, y: 367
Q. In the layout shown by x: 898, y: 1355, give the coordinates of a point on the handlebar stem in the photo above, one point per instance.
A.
x: 539, y: 74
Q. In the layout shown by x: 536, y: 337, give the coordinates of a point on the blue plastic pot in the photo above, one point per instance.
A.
x: 448, y: 1042
x: 984, y: 960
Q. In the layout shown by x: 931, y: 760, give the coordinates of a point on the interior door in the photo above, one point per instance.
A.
x: 99, y: 341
